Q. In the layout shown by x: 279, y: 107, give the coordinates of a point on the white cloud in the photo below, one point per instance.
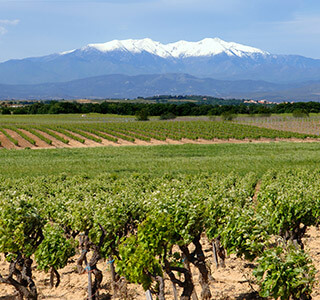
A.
x: 3, y: 30
x: 9, y: 22
x: 5, y: 23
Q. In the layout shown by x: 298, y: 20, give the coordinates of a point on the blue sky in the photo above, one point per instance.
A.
x: 35, y: 28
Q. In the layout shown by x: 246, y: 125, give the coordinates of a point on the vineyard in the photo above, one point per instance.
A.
x: 181, y: 222
x: 163, y: 235
x: 93, y: 134
x: 306, y: 125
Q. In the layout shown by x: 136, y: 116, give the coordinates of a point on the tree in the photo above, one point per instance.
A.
x: 142, y: 115
x: 228, y: 116
x: 300, y: 113
x: 5, y: 111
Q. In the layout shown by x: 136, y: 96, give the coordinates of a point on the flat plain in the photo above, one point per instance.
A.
x: 51, y: 178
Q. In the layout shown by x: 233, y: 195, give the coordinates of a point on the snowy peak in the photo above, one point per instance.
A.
x: 180, y: 49
x: 134, y: 46
x: 210, y: 47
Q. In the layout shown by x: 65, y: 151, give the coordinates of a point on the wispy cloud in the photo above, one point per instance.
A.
x: 9, y: 22
x: 3, y: 30
x: 5, y: 23
x: 302, y: 24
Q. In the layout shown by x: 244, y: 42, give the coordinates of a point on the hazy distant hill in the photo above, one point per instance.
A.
x: 124, y: 86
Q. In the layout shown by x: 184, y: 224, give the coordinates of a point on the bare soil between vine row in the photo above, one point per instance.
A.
x: 234, y: 282
x: 40, y: 144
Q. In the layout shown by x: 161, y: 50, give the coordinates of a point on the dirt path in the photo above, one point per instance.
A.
x: 55, y: 142
x: 39, y: 143
x: 5, y: 142
x: 21, y: 141
x: 122, y: 142
x: 256, y: 192
x: 104, y: 142
x: 87, y: 142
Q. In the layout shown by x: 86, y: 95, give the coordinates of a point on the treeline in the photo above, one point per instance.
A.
x: 195, y: 98
x: 158, y: 109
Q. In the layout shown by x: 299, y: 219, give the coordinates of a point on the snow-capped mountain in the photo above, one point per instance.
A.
x: 181, y: 49
x: 211, y: 57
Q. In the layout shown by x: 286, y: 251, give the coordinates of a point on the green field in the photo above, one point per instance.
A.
x: 154, y: 160
x: 157, y: 160
x: 61, y: 119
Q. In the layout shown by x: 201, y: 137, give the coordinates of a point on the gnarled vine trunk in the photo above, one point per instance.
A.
x: 54, y: 274
x: 220, y: 252
x: 187, y: 284
x: 91, y: 267
x: 24, y: 284
x: 197, y: 258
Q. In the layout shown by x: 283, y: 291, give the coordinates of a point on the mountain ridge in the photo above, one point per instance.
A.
x: 205, y: 47
x: 212, y: 58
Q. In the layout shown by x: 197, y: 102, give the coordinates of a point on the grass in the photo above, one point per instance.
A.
x: 157, y: 160
x: 62, y: 119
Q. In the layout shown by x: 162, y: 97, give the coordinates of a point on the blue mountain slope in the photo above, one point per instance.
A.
x: 212, y: 58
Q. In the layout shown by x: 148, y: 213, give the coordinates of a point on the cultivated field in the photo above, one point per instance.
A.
x: 307, y: 125
x: 98, y: 130
x: 130, y: 223
x: 172, y: 214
